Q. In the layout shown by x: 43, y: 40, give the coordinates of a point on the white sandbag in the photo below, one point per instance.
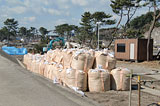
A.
x: 63, y: 77
x: 48, y: 71
x: 104, y: 61
x: 120, y: 79
x: 58, y: 56
x: 67, y: 58
x: 57, y: 73
x: 28, y: 61
x: 111, y: 63
x: 25, y: 59
x: 49, y: 55
x: 81, y: 80
x: 101, y: 60
x: 33, y: 66
x: 98, y: 80
x: 42, y: 66
x: 70, y: 77
x: 82, y: 61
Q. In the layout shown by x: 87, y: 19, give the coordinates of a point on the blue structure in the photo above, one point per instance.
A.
x: 14, y: 50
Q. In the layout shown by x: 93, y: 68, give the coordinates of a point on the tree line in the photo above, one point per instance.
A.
x: 87, y: 30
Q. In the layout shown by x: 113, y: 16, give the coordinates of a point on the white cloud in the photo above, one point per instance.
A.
x: 105, y: 2
x: 80, y: 2
x: 29, y: 19
x: 92, y: 10
x: 76, y: 21
x: 12, y: 10
x: 67, y: 13
x: 18, y: 9
x: 60, y: 21
x: 51, y: 11
x: 14, y: 2
x: 4, y: 16
x: 54, y: 12
x: 63, y: 1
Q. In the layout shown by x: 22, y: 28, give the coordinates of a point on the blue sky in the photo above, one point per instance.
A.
x: 49, y: 13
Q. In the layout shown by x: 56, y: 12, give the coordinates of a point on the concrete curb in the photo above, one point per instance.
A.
x: 9, y: 57
x: 20, y: 63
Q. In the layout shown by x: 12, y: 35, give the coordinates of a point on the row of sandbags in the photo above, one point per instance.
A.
x: 82, y: 59
x: 80, y: 69
x: 103, y: 80
x: 55, y: 71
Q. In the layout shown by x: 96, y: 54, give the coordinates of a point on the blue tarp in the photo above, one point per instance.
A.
x: 14, y: 50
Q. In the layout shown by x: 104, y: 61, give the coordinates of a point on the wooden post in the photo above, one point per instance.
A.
x: 139, y: 91
x: 130, y: 90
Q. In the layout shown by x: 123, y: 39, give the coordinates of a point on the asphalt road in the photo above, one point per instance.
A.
x: 19, y: 87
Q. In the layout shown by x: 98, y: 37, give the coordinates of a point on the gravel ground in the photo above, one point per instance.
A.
x: 120, y: 98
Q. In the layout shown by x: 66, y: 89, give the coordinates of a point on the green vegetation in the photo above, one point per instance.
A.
x: 86, y: 32
x: 65, y: 30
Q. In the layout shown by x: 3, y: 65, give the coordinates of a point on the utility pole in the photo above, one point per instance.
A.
x: 98, y: 25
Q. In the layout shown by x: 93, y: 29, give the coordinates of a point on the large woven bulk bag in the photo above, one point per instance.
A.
x: 111, y: 63
x: 37, y: 66
x: 101, y: 60
x: 34, y: 63
x: 67, y: 59
x: 98, y: 80
x: 104, y: 61
x: 59, y: 56
x: 63, y: 77
x: 53, y: 55
x: 57, y: 73
x: 42, y: 66
x: 29, y: 61
x: 49, y: 55
x: 33, y: 66
x: 25, y: 59
x: 120, y: 79
x: 70, y: 77
x: 82, y: 61
x: 49, y: 71
x: 78, y: 62
x: 92, y: 52
x: 46, y: 70
x: 81, y: 80
x: 89, y: 61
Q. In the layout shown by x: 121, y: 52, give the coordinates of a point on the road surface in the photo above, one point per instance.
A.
x: 19, y: 87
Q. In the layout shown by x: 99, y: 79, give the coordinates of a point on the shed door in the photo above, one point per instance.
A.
x: 132, y: 51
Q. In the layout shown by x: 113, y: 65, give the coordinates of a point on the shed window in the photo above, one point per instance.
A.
x: 121, y: 47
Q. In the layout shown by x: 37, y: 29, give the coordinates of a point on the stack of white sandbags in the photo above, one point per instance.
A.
x: 76, y: 65
x: 77, y: 68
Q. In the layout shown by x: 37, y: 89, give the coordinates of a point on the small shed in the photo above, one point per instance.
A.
x: 133, y: 49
